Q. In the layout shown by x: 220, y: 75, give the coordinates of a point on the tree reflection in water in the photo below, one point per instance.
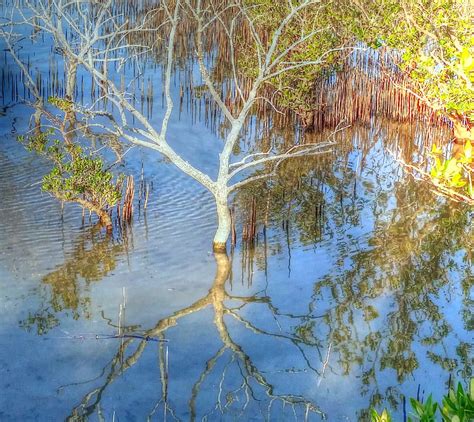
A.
x: 381, y: 306
x: 93, y: 256
x: 374, y: 315
x: 388, y: 292
x: 252, y: 392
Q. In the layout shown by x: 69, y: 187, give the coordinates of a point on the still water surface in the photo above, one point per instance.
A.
x: 358, y: 291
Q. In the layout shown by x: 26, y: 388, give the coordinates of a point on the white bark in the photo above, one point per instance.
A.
x: 223, y: 223
x: 71, y: 79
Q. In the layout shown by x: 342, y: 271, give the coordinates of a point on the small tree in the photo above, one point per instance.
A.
x: 91, y: 36
x: 76, y: 176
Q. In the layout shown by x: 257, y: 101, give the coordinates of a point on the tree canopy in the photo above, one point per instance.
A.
x: 430, y: 42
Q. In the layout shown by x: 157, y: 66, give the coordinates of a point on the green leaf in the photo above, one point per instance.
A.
x: 468, y: 149
x: 451, y: 167
x: 467, y: 61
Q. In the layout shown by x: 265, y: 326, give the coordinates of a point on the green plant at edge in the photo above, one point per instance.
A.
x: 457, y: 406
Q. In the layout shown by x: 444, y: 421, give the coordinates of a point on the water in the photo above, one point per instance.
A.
x: 357, y: 292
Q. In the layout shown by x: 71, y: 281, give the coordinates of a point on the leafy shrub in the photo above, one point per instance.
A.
x: 76, y: 175
x: 458, y: 406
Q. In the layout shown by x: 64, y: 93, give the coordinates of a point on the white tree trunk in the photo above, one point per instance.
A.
x: 223, y: 224
x: 71, y: 76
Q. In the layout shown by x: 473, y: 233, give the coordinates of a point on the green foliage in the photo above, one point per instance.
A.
x: 423, y: 412
x: 434, y: 40
x: 383, y: 417
x: 61, y: 103
x: 458, y: 406
x: 76, y: 175
x: 454, y: 173
x: 437, y: 41
x: 36, y: 143
x: 295, y: 86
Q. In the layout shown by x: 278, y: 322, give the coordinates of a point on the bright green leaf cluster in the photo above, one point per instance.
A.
x: 436, y: 41
x: 457, y: 406
x: 423, y: 412
x: 382, y: 417
x: 454, y: 173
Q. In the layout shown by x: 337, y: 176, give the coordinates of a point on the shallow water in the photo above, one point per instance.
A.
x: 358, y: 291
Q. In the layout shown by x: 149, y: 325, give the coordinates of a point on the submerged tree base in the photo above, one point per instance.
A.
x: 219, y: 247
x: 106, y: 221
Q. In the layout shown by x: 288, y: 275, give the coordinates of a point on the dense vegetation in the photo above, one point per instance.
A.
x: 431, y: 42
x: 277, y: 57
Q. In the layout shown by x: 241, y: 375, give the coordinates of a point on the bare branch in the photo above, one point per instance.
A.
x: 295, y: 151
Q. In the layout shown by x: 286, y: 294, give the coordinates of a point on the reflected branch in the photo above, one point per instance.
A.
x: 92, y: 258
x: 216, y: 298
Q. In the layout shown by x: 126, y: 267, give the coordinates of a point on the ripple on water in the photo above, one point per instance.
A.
x: 179, y: 216
x: 28, y: 225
